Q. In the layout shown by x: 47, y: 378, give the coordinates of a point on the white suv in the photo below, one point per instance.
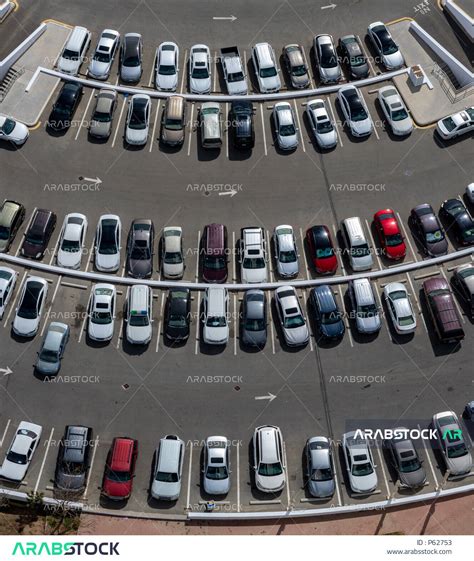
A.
x: 215, y: 319
x: 253, y: 255
x: 269, y: 461
x: 266, y: 68
x: 139, y: 314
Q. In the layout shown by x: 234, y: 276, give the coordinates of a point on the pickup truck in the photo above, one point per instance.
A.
x: 234, y: 74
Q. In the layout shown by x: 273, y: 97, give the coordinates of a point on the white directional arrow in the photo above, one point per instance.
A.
x: 95, y: 180
x: 270, y: 397
x: 329, y: 7
x: 6, y: 371
x: 232, y: 192
x: 230, y: 18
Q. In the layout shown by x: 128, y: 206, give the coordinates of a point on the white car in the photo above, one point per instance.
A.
x: 215, y: 329
x: 253, y: 255
x: 104, y: 55
x: 266, y: 68
x: 355, y: 110
x: 30, y: 307
x: 172, y: 258
x: 326, y: 56
x: 395, y: 111
x: 138, y: 120
x: 321, y: 124
x: 286, y: 254
x: 290, y: 314
x: 71, y: 241
x: 19, y: 455
x: 285, y: 127
x: 166, y: 67
x: 139, y: 314
x: 386, y: 48
x: 108, y: 243
x: 269, y: 459
x: 452, y: 442
x: 13, y: 131
x: 359, y: 463
x: 200, y: 69
x: 456, y: 124
x: 400, y: 308
x: 102, y: 312
x: 7, y: 285
x: 216, y: 466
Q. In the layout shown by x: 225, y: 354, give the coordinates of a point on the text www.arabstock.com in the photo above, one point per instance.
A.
x: 424, y: 551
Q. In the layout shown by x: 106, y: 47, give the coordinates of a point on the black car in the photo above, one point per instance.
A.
x: 177, y: 314
x: 458, y: 220
x: 428, y: 231
x: 241, y: 124
x: 65, y: 106
x: 327, y: 316
x: 353, y: 56
x: 140, y: 248
x: 72, y: 464
x: 38, y: 234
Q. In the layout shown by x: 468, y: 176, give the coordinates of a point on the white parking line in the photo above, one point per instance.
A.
x: 269, y: 256
x: 311, y: 336
x: 346, y: 321
x: 375, y: 127
x: 5, y: 433
x: 83, y: 325
x: 90, y: 255
x: 272, y: 329
x: 96, y: 445
x: 13, y: 302
x: 183, y: 71
x: 191, y: 129
x: 373, y: 244
x: 85, y: 113
x: 55, y: 248
x: 428, y: 457
x: 263, y: 130
x: 120, y: 335
x: 308, y: 272
x: 188, y: 495
x: 160, y: 322
x: 308, y: 67
x: 460, y: 312
x: 300, y: 132
x: 366, y: 55
x: 339, y: 254
x: 214, y: 65
x: 383, y: 320
x: 45, y: 323
x: 413, y: 292
x: 153, y: 138
x: 226, y: 131
x: 124, y: 103
x: 196, y: 275
x: 235, y: 323
x: 333, y: 116
x: 288, y: 496
x: 196, y: 346
x: 44, y: 460
x: 383, y: 471
x: 336, y: 478
x: 26, y: 230
x: 152, y: 72
x: 234, y: 278
x: 402, y: 225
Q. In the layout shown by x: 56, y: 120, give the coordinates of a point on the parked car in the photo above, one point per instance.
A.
x: 385, y: 46
x: 452, y: 443
x: 120, y: 465
x: 72, y: 464
x: 356, y: 244
x: 241, y: 124
x: 364, y: 306
x: 286, y: 254
x: 13, y: 131
x: 138, y: 119
x: 321, y: 124
x: 457, y: 124
x: 406, y: 461
x: 173, y: 121
x: 177, y: 314
x: 296, y: 66
x: 285, y: 126
x: 253, y: 255
x: 167, y: 67
x: 200, y: 69
x: 108, y: 243
x: 210, y: 125
x: 327, y: 315
x: 216, y: 466
x: 254, y: 318
x: 269, y: 460
x: 353, y: 56
x: 101, y: 312
x: 213, y: 252
x: 215, y: 329
x: 73, y: 53
x: 172, y: 257
x: 101, y: 120
x: 319, y: 467
x: 428, y: 230
x: 389, y: 235
x: 131, y: 52
x: 266, y: 68
x: 395, y: 111
x: 8, y: 279
x: 52, y: 349
x: 38, y: 234
x: 20, y: 453
x: 463, y: 280
x: 233, y: 71
x: 30, y: 307
x: 71, y: 241
x: 399, y: 308
x: 290, y: 314
x: 442, y: 309
x: 355, y: 110
x: 12, y: 215
x: 168, y: 469
x: 104, y: 55
x: 321, y: 250
x: 140, y: 248
x: 139, y: 314
x: 458, y: 220
x: 65, y: 106
x: 327, y: 59
x: 360, y: 464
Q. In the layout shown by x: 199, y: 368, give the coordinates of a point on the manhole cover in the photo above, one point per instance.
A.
x: 237, y: 388
x: 125, y: 387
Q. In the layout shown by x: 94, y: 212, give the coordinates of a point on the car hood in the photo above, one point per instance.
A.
x: 98, y: 128
x: 288, y: 269
x: 139, y: 333
x: 300, y: 81
x: 331, y: 74
x: 19, y: 133
x: 136, y: 136
x: 166, y: 82
x: 101, y: 332
x: 3, y: 245
x: 139, y: 268
x: 177, y: 332
x: 362, y: 127
x: 290, y: 141
x: 12, y: 471
x: 172, y: 136
x: 404, y: 126
x: 269, y: 484
x: 162, y: 490
x: 200, y: 85
x: 44, y: 367
x: 368, y: 325
x: 68, y: 66
x: 130, y: 73
x: 216, y: 487
x: 327, y: 138
x: 216, y: 333
x: 394, y: 61
x: 321, y: 488
x: 254, y: 338
x: 69, y: 259
x: 362, y: 263
x: 333, y: 329
x: 297, y: 335
x: 25, y: 326
x: 68, y: 482
x: 98, y: 68
x: 175, y: 270
x: 254, y: 275
x: 107, y: 262
x: 365, y: 483
x: 437, y: 248
x: 214, y: 275
x: 461, y: 465
x: 237, y: 88
x: 117, y: 489
x: 414, y: 478
x: 31, y: 249
x: 272, y: 83
x: 360, y: 71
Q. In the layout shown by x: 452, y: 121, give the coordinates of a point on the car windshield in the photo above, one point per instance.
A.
x: 407, y: 466
x: 362, y: 469
x: 254, y: 324
x: 294, y: 321
x: 324, y: 126
x: 254, y: 263
x: 388, y: 45
x: 16, y: 458
x: 235, y: 77
x: 166, y: 477
x: 433, y: 237
x: 299, y: 70
x: 324, y: 253
x: 216, y: 321
x: 70, y: 55
x: 102, y: 117
x: 360, y: 250
x: 449, y: 124
x: 367, y: 311
x: 118, y: 476
x: 287, y: 256
x: 8, y: 126
x: 457, y: 450
x: 268, y: 72
x: 28, y: 308
x: 48, y: 355
x: 216, y: 263
x: 328, y: 56
x: 217, y: 472
x: 329, y: 318
x: 101, y: 318
x: 174, y: 124
x: 357, y: 60
x: 131, y: 60
x: 177, y: 320
x: 173, y: 258
x: 269, y: 470
x: 140, y: 251
x: 102, y: 57
x: 287, y: 130
x: 138, y: 119
x: 358, y: 112
x: 34, y: 238
x: 166, y: 70
x: 321, y: 474
x: 138, y: 320
x: 393, y: 240
x: 406, y: 320
x: 200, y: 72
x: 399, y: 114
x: 70, y: 246
x: 108, y: 240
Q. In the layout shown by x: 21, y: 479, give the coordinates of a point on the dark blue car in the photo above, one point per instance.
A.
x: 327, y: 316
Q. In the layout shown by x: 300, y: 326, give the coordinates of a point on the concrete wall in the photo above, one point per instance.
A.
x: 10, y: 59
x: 464, y: 20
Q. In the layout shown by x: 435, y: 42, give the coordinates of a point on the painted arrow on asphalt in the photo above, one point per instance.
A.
x: 231, y: 193
x: 270, y: 397
x: 95, y: 180
x: 329, y: 7
x: 6, y: 371
x: 230, y: 18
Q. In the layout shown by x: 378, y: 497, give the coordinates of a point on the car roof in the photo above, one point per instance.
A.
x: 216, y: 299
x: 168, y: 458
x: 319, y: 450
x: 269, y: 450
x: 325, y: 298
x: 54, y: 336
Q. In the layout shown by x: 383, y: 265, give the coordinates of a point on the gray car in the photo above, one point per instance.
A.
x: 52, y: 349
x: 254, y: 319
x: 140, y: 248
x: 73, y: 459
x: 406, y: 461
x: 319, y: 467
x: 452, y: 442
x: 296, y: 66
x: 131, y: 52
x: 101, y: 121
x: 428, y: 230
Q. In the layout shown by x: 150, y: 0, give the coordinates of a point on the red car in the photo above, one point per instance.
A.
x: 120, y: 469
x: 321, y: 250
x: 390, y: 237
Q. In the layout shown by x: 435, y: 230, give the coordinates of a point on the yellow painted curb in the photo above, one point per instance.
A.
x: 15, y: 9
x: 58, y: 23
x: 399, y: 20
x: 439, y: 5
x: 35, y: 127
x: 424, y: 126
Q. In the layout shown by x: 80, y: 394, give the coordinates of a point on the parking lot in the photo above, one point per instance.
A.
x: 193, y: 390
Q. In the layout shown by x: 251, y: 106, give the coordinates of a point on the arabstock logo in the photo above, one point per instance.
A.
x: 65, y: 548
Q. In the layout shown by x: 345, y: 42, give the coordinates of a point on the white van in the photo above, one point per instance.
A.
x: 364, y: 307
x: 169, y: 457
x: 360, y: 255
x: 139, y: 314
x: 74, y: 51
x: 266, y: 68
x: 216, y: 326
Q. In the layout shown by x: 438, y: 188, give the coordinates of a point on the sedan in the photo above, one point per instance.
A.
x: 360, y: 464
x: 166, y: 67
x: 353, y: 56
x: 286, y: 254
x: 296, y: 66
x: 399, y: 308
x: 216, y: 469
x: 327, y: 59
x: 172, y: 258
x: 131, y: 52
x: 19, y: 455
x: 65, y: 106
x: 200, y: 69
x: 71, y: 241
x: 52, y: 349
x: 321, y: 124
x: 140, y: 248
x: 177, y: 314
x: 13, y: 131
x: 108, y: 243
x: 355, y: 111
x: 395, y: 111
x: 254, y: 318
x: 101, y: 120
x: 389, y: 234
x: 458, y: 220
x: 321, y: 250
x: 386, y: 48
x: 30, y: 307
x: 103, y: 58
x: 328, y: 317
x: 285, y: 127
x: 428, y: 230
x: 102, y: 312
x: 456, y: 124
x: 290, y: 314
x: 463, y: 280
x: 7, y: 285
x: 406, y: 461
x: 319, y: 467
x: 452, y: 443
x: 138, y: 120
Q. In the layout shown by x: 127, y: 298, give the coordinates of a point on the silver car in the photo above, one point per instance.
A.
x: 319, y: 467
x: 395, y: 111
x: 321, y: 124
x: 30, y: 307
x: 216, y: 469
x: 138, y: 120
x: 399, y: 308
x: 101, y: 120
x: 326, y: 56
x: 285, y: 128
x: 290, y: 314
x: 364, y: 307
x: 355, y: 110
x: 406, y: 461
x: 286, y: 255
x: 108, y: 243
x: 166, y: 67
x: 452, y: 443
x: 254, y: 318
x: 103, y: 58
x: 200, y: 69
x: 386, y: 48
x: 131, y: 52
x: 19, y: 455
x: 52, y: 349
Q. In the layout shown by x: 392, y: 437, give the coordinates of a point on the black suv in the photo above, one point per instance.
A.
x: 177, y: 314
x: 65, y: 106
x: 38, y: 234
x: 241, y: 124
